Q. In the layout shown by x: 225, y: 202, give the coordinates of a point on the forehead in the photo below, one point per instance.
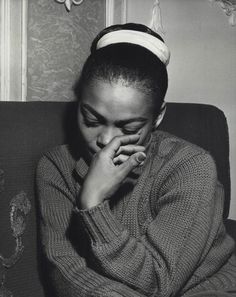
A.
x: 117, y: 98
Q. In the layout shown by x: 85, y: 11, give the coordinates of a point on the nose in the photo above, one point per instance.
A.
x: 105, y: 136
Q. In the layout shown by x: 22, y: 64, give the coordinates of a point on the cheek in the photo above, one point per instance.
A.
x: 89, y: 135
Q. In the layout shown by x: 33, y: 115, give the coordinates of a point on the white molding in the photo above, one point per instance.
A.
x: 68, y: 3
x: 124, y: 15
x: 5, y: 50
x: 111, y: 7
x: 109, y: 12
x: 13, y: 52
x: 229, y: 8
x: 24, y: 26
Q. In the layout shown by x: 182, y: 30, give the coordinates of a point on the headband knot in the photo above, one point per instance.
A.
x: 148, y: 41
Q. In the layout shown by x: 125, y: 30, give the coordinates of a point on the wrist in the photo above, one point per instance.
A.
x: 87, y: 204
x: 88, y: 198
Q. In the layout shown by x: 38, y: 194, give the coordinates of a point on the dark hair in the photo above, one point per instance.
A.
x: 132, y: 63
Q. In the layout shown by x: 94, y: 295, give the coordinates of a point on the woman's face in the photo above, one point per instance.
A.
x: 109, y: 109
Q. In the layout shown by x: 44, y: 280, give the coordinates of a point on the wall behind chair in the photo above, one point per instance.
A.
x: 58, y: 44
x: 202, y: 68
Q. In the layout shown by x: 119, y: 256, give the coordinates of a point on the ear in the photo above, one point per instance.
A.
x: 160, y: 116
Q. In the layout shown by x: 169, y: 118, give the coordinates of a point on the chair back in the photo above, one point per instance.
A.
x: 31, y: 128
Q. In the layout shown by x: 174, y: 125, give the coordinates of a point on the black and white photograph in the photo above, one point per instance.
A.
x: 117, y: 148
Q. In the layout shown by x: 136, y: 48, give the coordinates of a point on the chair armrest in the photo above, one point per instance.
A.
x: 231, y: 229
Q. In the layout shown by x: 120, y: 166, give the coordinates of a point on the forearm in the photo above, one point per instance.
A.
x: 84, y: 282
x: 116, y: 254
x: 68, y: 272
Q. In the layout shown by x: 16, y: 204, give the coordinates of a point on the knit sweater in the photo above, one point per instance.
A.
x: 161, y: 234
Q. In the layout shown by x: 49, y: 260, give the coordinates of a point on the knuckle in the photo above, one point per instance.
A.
x: 117, y: 138
x: 133, y: 161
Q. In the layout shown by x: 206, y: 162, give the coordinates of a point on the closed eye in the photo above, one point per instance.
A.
x: 91, y: 123
x: 90, y: 114
x: 89, y: 119
x: 131, y: 130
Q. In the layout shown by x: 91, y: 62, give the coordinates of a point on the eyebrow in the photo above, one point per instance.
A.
x: 120, y: 122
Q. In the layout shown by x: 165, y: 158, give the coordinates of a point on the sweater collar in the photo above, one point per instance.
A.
x: 81, y: 167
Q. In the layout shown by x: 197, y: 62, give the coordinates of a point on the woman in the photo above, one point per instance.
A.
x: 138, y: 212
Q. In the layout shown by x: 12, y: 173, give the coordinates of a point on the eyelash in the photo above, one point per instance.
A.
x: 92, y: 123
x: 125, y: 131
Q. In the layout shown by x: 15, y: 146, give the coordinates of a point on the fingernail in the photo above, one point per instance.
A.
x: 141, y: 158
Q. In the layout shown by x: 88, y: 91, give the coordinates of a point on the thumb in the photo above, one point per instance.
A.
x: 133, y: 161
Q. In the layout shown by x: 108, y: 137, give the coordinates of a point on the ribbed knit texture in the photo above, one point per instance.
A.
x: 160, y: 235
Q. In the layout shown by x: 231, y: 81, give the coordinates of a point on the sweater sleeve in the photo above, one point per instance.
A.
x: 69, y: 273
x: 188, y: 213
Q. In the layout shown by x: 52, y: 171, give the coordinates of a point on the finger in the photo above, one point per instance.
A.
x: 112, y: 147
x: 132, y: 162
x: 120, y: 159
x: 130, y: 149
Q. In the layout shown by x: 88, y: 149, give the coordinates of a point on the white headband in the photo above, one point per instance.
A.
x: 150, y: 42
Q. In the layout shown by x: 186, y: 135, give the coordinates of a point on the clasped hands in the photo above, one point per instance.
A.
x: 108, y: 169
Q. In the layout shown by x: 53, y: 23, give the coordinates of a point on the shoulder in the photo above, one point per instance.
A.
x: 167, y: 145
x: 167, y: 142
x: 58, y: 158
x: 60, y: 151
x: 183, y: 171
x: 177, y: 153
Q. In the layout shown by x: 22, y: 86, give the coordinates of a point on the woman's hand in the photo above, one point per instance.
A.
x: 109, y: 168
